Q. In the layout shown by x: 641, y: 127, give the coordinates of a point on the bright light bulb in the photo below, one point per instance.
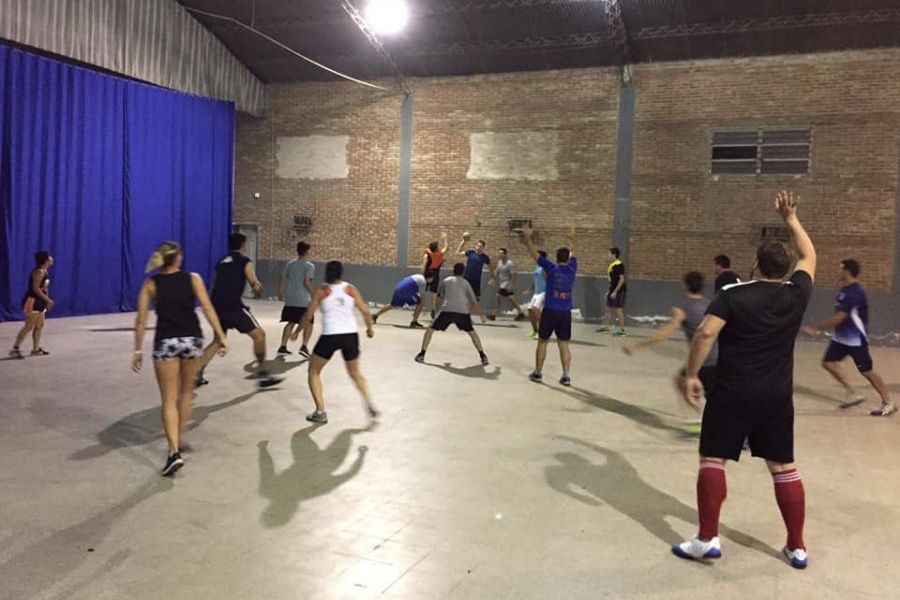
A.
x: 387, y: 16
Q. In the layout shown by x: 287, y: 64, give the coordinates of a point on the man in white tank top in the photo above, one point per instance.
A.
x: 339, y: 301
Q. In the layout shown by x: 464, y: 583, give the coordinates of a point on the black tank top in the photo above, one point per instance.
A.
x: 175, y: 314
x: 230, y: 282
x: 45, y: 281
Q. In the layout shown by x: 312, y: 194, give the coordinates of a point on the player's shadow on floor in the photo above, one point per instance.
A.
x: 145, y: 426
x: 636, y: 413
x: 617, y: 483
x: 276, y: 366
x: 26, y: 574
x: 313, y: 473
x: 584, y: 343
x: 497, y: 325
x: 811, y: 394
x: 118, y: 329
x: 476, y: 371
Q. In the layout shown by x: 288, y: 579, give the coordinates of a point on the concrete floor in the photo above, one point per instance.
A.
x: 476, y: 483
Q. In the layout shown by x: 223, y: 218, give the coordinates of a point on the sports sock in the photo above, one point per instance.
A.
x: 792, y: 502
x: 711, y: 493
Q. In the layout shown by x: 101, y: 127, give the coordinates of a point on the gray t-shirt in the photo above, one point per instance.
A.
x: 295, y: 273
x: 457, y: 294
x: 504, y: 273
x: 695, y: 311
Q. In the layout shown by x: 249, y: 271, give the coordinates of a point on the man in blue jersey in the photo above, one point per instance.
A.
x: 476, y: 261
x: 850, y: 338
x: 556, y: 318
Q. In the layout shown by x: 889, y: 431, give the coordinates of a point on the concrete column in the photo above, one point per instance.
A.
x: 406, y: 130
x: 624, y: 151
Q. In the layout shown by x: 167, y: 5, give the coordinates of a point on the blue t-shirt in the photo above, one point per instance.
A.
x: 853, y: 331
x: 540, y: 284
x: 560, y: 280
x: 410, y: 286
x: 475, y: 264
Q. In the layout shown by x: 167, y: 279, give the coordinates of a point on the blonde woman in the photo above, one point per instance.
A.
x: 178, y: 343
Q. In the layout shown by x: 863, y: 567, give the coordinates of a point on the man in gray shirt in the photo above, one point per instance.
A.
x: 295, y: 289
x: 504, y: 276
x: 456, y: 302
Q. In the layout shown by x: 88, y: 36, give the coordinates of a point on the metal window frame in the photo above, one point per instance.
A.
x: 760, y: 133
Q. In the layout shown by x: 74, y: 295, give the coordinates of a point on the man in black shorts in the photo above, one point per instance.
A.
x: 618, y: 292
x: 233, y: 273
x: 457, y: 301
x: 476, y: 261
x: 756, y: 325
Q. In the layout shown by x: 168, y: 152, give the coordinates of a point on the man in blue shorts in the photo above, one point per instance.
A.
x: 407, y: 293
x: 556, y: 318
x: 850, y: 321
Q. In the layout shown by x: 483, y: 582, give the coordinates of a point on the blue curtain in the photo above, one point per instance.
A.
x: 98, y: 169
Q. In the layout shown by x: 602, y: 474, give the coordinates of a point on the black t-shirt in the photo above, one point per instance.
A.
x: 228, y: 288
x: 617, y: 272
x: 175, y: 314
x: 756, y: 345
x: 726, y: 278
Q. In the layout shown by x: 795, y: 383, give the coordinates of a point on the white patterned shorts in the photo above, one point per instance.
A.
x: 537, y: 301
x: 184, y: 348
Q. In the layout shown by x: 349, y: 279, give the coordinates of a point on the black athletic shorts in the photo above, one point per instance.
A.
x: 462, y: 321
x: 292, y: 314
x: 476, y: 286
x: 767, y: 424
x: 435, y: 274
x: 241, y: 319
x: 505, y: 292
x: 616, y: 300
x: 837, y: 351
x: 347, y: 343
x: 555, y: 321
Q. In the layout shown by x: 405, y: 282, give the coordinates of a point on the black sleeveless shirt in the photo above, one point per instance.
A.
x: 175, y: 314
x: 45, y: 281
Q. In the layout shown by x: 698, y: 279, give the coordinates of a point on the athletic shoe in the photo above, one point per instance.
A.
x: 201, y: 380
x: 16, y: 353
x: 416, y: 325
x: 536, y: 376
x: 432, y: 314
x: 798, y: 558
x: 317, y: 417
x: 692, y: 428
x: 304, y: 352
x: 372, y: 411
x: 420, y: 357
x: 853, y: 399
x: 266, y: 380
x: 484, y: 359
x: 620, y: 333
x: 492, y: 317
x: 173, y: 463
x: 565, y: 380
x: 520, y: 317
x: 39, y: 352
x: 374, y: 319
x: 284, y: 350
x: 533, y: 335
x: 696, y: 549
x: 603, y: 329
x: 885, y: 410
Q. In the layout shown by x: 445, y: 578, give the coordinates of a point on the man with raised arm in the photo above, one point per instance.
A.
x: 756, y: 325
x: 556, y: 318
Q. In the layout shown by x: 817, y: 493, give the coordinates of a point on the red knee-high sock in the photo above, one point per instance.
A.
x: 792, y: 503
x: 711, y: 492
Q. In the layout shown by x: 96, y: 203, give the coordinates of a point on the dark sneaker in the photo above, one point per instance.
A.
x: 484, y: 359
x: 492, y: 317
x: 304, y: 352
x: 39, y: 352
x: 201, y: 380
x: 416, y: 325
x: 375, y: 319
x: 16, y: 353
x: 317, y: 417
x: 885, y: 410
x: 372, y: 411
x: 284, y: 350
x: 173, y: 463
x: 520, y: 317
x: 266, y: 380
x: 432, y: 314
x: 565, y: 380
x: 420, y: 357
x: 536, y: 376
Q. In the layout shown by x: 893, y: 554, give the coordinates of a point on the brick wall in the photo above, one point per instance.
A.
x: 682, y: 216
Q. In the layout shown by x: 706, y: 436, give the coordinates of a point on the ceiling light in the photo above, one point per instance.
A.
x: 387, y: 16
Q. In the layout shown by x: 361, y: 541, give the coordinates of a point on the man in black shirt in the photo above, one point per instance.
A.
x: 618, y: 291
x: 756, y: 325
x: 725, y: 275
x: 233, y: 272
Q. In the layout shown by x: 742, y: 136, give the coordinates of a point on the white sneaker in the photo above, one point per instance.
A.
x: 853, y: 399
x: 697, y: 549
x: 798, y: 558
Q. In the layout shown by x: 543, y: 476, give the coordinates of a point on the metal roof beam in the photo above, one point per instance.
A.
x: 615, y: 21
x: 372, y: 37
